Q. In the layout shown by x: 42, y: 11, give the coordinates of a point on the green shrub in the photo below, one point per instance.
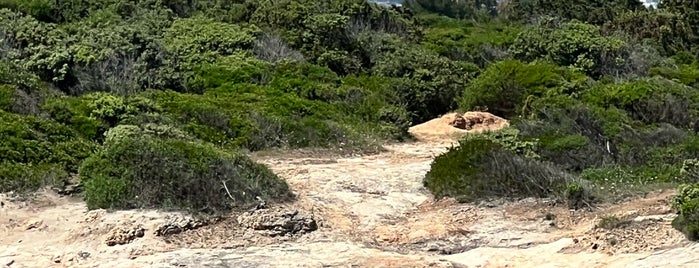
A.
x: 509, y: 138
x: 505, y: 87
x: 573, y: 44
x: 480, y: 168
x: 686, y: 202
x: 21, y: 178
x: 690, y: 169
x: 147, y: 172
x: 92, y: 114
x: 33, y: 141
x: 684, y: 73
x: 573, y: 137
x: 651, y: 100
x: 481, y: 43
x: 577, y: 195
x: 152, y: 130
x: 6, y: 95
x: 427, y: 83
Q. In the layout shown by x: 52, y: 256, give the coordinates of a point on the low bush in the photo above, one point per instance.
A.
x: 22, y: 178
x: 479, y: 168
x: 572, y: 137
x: 33, y: 141
x: 651, y: 101
x: 149, y: 172
x: 504, y: 88
x: 686, y: 203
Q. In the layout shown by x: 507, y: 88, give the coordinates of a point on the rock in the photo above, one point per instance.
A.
x: 85, y: 255
x: 460, y: 122
x: 447, y: 246
x: 8, y: 263
x: 278, y: 222
x: 57, y: 259
x: 122, y: 235
x: 33, y: 224
x: 69, y: 189
x: 178, y: 224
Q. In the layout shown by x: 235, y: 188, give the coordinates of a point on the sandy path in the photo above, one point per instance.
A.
x: 373, y: 212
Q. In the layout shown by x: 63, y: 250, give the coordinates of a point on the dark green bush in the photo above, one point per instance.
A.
x: 686, y: 203
x: 33, y: 141
x: 573, y: 44
x: 6, y: 95
x: 480, y: 43
x: 505, y: 87
x: 427, y: 83
x: 480, y: 168
x: 653, y: 100
x: 147, y: 172
x: 21, y: 178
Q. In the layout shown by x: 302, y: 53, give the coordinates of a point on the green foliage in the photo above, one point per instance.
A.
x: 471, y: 9
x: 147, y: 172
x: 686, y: 202
x: 683, y: 73
x: 36, y: 152
x: 428, y: 84
x: 690, y: 169
x: 31, y: 140
x: 668, y: 31
x: 653, y: 100
x: 6, y: 97
x: 505, y: 88
x: 481, y: 43
x: 688, y: 10
x: 198, y: 40
x: 480, y: 168
x: 574, y: 44
x: 590, y: 11
x: 509, y: 138
x: 20, y: 177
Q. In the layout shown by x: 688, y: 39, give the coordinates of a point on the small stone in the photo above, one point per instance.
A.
x: 123, y: 235
x: 34, y: 224
x: 57, y: 259
x: 278, y: 222
x: 83, y: 254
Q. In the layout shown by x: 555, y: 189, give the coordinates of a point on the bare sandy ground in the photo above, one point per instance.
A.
x: 371, y: 211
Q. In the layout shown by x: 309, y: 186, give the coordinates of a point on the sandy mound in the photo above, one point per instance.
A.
x: 454, y: 125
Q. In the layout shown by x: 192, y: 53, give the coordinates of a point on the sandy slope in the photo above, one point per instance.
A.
x: 372, y: 211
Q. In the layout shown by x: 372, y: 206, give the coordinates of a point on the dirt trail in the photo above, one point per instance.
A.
x: 371, y: 211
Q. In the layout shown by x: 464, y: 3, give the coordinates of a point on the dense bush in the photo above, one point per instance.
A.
x: 470, y: 9
x: 36, y: 152
x: 480, y: 43
x: 590, y: 11
x: 686, y: 203
x: 479, y: 169
x: 22, y: 178
x: 505, y: 88
x: 428, y: 84
x: 148, y: 172
x: 651, y: 101
x: 573, y: 44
